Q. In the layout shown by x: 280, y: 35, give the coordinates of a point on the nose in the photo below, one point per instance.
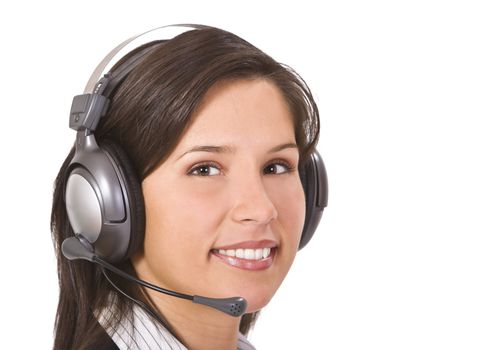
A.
x: 253, y: 203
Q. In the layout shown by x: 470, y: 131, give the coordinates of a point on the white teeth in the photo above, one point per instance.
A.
x: 250, y: 254
x: 239, y: 253
x: 258, y: 254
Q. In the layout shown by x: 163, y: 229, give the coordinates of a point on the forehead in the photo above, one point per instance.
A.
x: 241, y: 112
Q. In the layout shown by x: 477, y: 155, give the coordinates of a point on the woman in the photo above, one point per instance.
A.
x: 208, y: 133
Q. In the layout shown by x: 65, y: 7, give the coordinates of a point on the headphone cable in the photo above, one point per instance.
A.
x: 138, y: 302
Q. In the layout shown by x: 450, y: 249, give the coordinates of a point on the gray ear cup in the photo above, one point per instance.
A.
x: 315, y: 183
x: 103, y: 200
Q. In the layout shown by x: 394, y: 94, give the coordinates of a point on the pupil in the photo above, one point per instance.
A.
x: 271, y: 169
x: 203, y: 170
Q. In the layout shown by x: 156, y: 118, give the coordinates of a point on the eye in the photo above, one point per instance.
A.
x: 278, y: 168
x: 205, y: 170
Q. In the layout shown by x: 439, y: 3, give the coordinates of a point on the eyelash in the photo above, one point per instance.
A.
x: 289, y: 168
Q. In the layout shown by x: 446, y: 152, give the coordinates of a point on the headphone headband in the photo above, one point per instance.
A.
x: 130, y: 44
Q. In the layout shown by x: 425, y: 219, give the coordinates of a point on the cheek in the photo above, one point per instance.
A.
x: 182, y: 215
x: 290, y: 203
x: 181, y: 223
x: 201, y: 205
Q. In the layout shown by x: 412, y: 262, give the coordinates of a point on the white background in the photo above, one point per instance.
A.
x: 402, y: 259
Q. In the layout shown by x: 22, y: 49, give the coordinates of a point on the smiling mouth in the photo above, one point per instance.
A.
x: 247, y: 259
x: 248, y: 254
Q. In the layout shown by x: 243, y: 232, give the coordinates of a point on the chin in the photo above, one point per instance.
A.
x: 254, y: 305
x: 257, y: 287
x: 257, y: 300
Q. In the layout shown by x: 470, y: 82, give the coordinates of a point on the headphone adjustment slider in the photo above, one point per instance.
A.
x: 86, y: 111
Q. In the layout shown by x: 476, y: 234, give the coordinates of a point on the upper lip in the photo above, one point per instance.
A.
x: 265, y: 243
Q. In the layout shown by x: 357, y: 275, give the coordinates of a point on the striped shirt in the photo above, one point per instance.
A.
x: 145, y: 334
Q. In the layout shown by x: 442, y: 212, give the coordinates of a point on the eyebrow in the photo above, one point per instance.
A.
x: 229, y: 149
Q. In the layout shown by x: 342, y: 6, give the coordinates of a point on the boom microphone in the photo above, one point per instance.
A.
x: 74, y: 249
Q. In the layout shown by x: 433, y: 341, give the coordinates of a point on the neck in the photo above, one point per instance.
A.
x: 200, y: 327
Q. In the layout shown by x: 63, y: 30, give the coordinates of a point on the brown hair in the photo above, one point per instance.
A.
x: 149, y: 112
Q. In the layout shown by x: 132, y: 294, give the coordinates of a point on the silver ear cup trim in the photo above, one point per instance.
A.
x: 83, y: 208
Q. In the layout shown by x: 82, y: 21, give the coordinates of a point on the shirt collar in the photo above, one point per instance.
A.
x: 146, y: 333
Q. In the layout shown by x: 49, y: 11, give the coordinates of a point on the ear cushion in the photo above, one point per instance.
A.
x: 133, y: 189
x: 315, y: 184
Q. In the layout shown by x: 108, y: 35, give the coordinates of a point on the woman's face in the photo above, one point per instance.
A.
x: 225, y: 211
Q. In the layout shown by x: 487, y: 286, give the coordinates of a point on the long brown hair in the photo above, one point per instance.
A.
x: 149, y: 112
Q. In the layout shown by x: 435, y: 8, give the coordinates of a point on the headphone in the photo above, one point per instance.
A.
x: 103, y: 195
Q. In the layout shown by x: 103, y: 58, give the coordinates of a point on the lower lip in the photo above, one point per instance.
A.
x: 245, y: 264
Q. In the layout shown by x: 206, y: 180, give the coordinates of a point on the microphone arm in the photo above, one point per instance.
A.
x: 73, y: 249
